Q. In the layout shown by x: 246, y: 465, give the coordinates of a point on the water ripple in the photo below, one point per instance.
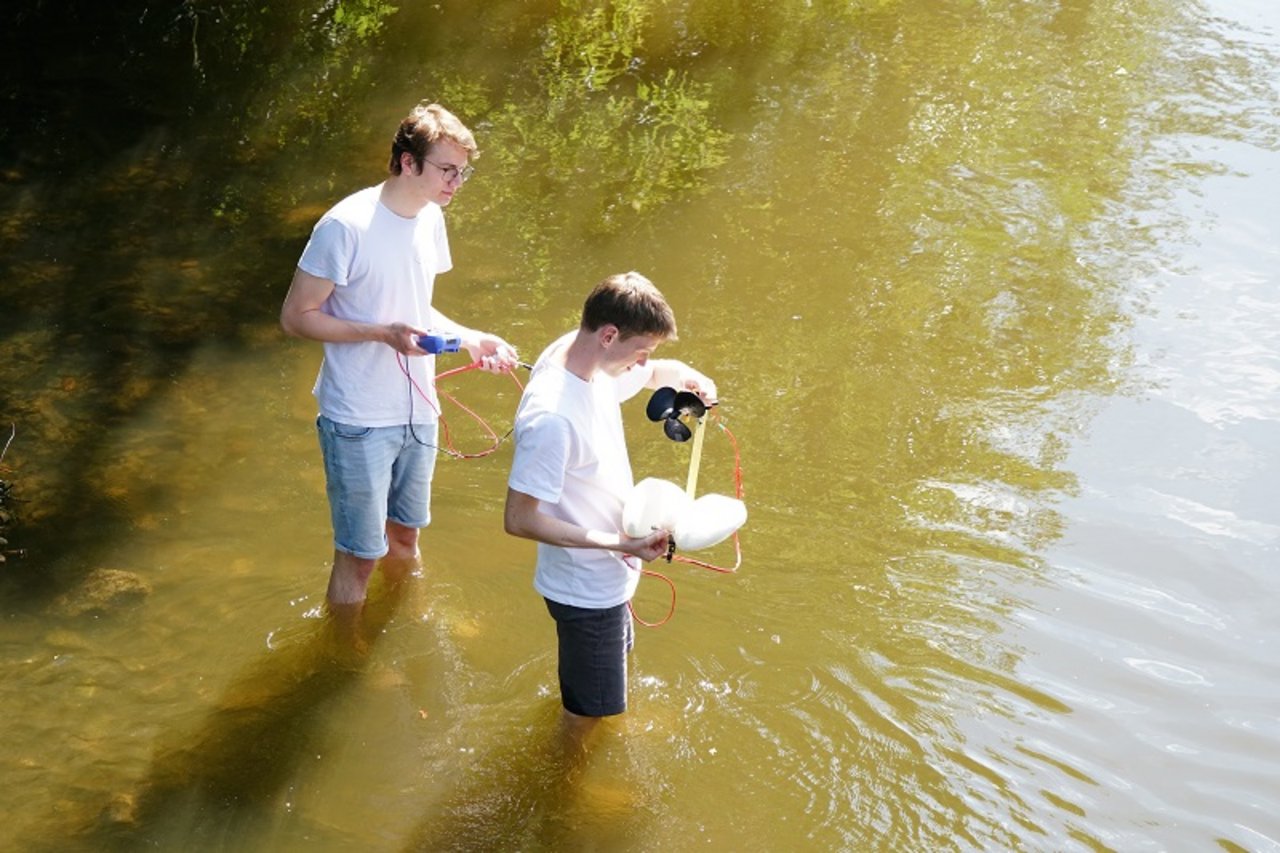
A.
x: 1167, y: 671
x: 1160, y: 601
x: 1207, y: 519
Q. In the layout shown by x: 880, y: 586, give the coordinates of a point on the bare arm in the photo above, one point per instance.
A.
x: 301, y: 316
x: 670, y: 373
x: 522, y: 517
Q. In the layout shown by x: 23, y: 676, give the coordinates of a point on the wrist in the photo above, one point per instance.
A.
x: 606, y: 540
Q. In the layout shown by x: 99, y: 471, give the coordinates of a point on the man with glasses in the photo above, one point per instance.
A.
x: 571, y: 476
x: 364, y: 287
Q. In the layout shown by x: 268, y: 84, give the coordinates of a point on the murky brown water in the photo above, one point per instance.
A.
x: 990, y: 294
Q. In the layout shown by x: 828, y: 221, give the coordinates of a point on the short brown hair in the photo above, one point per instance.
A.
x: 425, y: 125
x: 630, y: 302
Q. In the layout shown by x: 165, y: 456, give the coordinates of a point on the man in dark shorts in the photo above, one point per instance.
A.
x: 571, y: 476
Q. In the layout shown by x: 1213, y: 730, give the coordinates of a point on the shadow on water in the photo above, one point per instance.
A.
x: 540, y: 788
x: 225, y: 778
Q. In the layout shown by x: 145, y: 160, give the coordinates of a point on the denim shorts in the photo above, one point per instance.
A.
x: 593, y: 657
x: 374, y: 475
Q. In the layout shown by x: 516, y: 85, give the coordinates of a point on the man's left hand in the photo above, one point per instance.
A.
x: 493, y: 353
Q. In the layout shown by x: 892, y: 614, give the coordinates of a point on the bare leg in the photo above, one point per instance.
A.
x: 349, y: 579
x: 583, y: 808
x: 574, y: 737
x: 402, y: 553
x: 348, y: 583
x: 397, y: 569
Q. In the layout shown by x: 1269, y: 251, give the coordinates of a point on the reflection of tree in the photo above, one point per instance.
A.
x: 587, y: 130
x: 638, y: 144
x: 962, y: 254
x: 121, y: 222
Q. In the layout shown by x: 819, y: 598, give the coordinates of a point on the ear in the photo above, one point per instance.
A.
x: 406, y: 163
x: 608, y: 333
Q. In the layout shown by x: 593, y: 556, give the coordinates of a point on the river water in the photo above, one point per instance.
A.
x: 990, y: 293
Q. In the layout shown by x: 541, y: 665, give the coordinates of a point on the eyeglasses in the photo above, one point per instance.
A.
x: 453, y: 173
x: 669, y: 405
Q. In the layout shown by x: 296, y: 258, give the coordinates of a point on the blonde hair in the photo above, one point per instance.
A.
x: 424, y: 126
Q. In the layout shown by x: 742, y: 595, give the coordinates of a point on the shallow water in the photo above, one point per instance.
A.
x: 990, y: 296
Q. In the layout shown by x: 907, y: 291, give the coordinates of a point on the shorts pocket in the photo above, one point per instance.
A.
x: 350, y: 432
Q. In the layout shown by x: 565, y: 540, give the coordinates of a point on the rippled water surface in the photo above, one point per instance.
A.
x: 990, y: 293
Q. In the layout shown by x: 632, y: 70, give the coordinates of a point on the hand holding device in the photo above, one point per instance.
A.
x: 437, y: 343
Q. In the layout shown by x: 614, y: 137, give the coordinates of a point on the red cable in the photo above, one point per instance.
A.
x: 670, y: 610
x: 448, y: 445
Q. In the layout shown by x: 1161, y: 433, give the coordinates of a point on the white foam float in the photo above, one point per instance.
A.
x: 694, y: 524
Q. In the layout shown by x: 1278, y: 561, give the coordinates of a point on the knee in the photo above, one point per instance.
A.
x: 403, y: 541
x: 357, y: 568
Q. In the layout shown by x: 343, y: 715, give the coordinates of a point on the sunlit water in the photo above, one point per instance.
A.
x: 990, y: 294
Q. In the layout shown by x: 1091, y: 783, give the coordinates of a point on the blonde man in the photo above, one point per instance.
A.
x: 364, y: 287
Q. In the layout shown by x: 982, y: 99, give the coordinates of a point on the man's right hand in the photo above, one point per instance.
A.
x: 646, y: 547
x: 403, y: 338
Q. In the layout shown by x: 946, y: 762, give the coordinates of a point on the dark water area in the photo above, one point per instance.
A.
x: 989, y: 292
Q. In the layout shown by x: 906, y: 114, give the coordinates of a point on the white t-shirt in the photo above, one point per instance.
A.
x: 571, y: 455
x: 384, y: 267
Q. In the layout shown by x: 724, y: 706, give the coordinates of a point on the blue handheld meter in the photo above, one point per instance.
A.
x: 436, y: 344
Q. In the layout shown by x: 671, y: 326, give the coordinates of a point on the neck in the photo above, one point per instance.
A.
x: 397, y: 198
x: 582, y: 356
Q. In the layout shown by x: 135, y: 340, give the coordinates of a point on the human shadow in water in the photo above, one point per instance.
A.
x: 545, y: 789
x: 230, y: 771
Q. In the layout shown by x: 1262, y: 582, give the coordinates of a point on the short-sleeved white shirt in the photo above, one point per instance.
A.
x: 571, y: 455
x: 383, y: 267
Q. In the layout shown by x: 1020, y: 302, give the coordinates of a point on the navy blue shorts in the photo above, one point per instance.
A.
x: 593, y: 657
